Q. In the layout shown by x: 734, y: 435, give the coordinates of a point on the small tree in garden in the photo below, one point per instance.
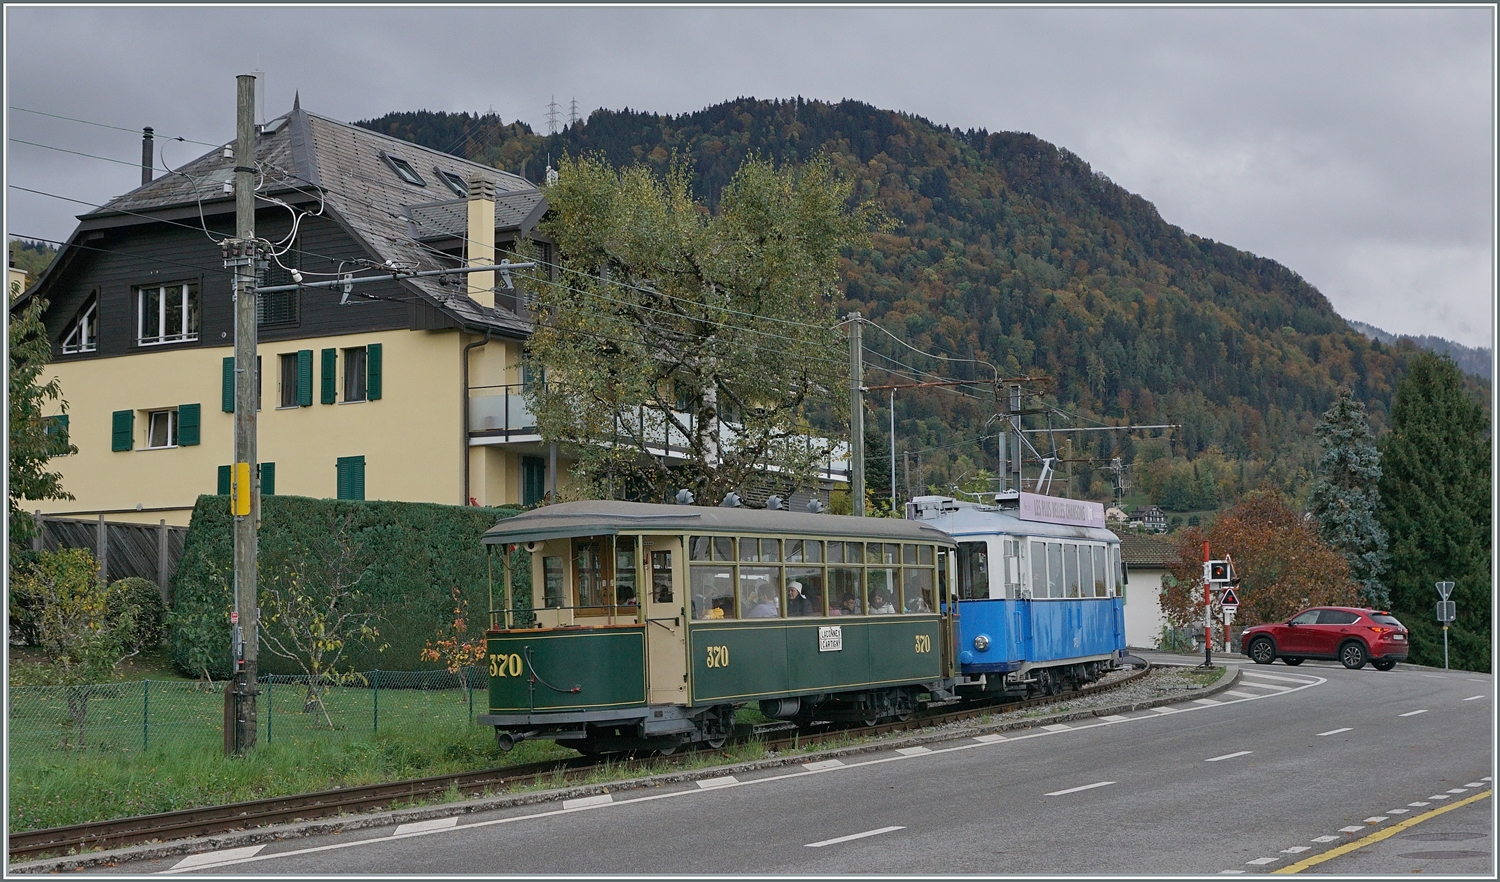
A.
x: 84, y: 629
x: 312, y: 595
x: 1279, y: 558
x: 453, y: 645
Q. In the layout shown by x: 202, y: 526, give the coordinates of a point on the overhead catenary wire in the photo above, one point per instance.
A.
x: 108, y: 126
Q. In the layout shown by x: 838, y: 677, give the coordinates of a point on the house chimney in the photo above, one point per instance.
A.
x: 147, y: 155
x: 481, y: 248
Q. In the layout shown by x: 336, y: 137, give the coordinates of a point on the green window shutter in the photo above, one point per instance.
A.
x: 188, y: 419
x: 268, y: 479
x: 330, y: 375
x: 224, y: 480
x: 228, y: 403
x: 372, y: 369
x: 304, y: 378
x: 124, y: 430
x: 351, y: 477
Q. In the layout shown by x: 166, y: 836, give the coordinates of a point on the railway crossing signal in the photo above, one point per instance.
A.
x: 1229, y: 599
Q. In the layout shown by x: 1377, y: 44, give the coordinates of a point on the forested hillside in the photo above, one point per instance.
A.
x: 1012, y: 250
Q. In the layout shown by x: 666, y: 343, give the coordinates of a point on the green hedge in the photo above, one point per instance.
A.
x: 415, y: 553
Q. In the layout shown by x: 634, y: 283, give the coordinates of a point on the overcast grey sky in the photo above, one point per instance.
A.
x: 1356, y: 146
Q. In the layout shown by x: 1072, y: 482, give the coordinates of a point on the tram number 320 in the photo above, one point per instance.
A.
x: 718, y: 657
x: 506, y: 665
x: 924, y: 643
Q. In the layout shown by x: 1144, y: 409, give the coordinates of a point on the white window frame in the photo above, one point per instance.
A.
x: 187, y: 331
x: 83, y: 336
x: 169, y: 417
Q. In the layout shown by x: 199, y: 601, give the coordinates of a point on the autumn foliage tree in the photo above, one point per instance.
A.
x: 1282, y: 563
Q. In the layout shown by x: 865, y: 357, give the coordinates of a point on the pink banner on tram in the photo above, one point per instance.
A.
x: 1054, y: 510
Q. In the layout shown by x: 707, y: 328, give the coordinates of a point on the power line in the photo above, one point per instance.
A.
x: 116, y: 128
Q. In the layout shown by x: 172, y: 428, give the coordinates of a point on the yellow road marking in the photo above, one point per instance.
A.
x: 1376, y: 837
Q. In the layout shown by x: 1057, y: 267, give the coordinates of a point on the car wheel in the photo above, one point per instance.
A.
x: 1292, y: 661
x: 1384, y: 664
x: 1262, y: 651
x: 1352, y: 655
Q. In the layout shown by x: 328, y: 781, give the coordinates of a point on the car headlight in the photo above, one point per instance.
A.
x: 981, y: 643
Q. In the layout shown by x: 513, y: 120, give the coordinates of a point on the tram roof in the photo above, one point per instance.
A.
x: 566, y: 520
x: 967, y: 520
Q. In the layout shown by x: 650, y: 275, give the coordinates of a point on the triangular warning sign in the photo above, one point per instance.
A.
x: 1229, y: 598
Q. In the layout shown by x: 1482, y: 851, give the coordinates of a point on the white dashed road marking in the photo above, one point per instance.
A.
x: 1397, y: 811
x: 1238, y: 694
x: 1167, y: 710
x: 1274, y: 687
x: 1351, y: 829
x: 434, y: 824
x: 820, y: 765
x: 1438, y: 796
x: 1261, y: 862
x: 1418, y: 804
x: 1474, y: 698
x: 587, y: 801
x: 1207, y: 702
x: 1335, y: 731
x: 1325, y: 839
x: 1057, y: 727
x: 1296, y: 849
x: 990, y: 739
x: 1076, y: 789
x: 1457, y: 790
x: 1411, y: 713
x: 711, y: 783
x: 853, y: 836
x: 1115, y: 718
x: 1297, y: 680
x: 1228, y: 756
x: 913, y: 751
x: 1473, y: 784
x: 1377, y: 819
x: 214, y: 857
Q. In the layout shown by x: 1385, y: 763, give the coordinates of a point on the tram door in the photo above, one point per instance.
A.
x: 664, y: 589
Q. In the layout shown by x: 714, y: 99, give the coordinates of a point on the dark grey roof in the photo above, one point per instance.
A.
x: 307, y: 153
x: 1146, y: 550
x: 608, y: 518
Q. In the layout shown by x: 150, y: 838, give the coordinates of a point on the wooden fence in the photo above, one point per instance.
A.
x: 147, y: 551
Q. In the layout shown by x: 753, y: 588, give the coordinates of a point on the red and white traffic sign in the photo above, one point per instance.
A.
x: 1229, y: 598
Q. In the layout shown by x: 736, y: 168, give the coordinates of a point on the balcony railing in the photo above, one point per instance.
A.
x: 502, y: 411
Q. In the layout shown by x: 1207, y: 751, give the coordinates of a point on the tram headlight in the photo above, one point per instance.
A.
x: 981, y: 643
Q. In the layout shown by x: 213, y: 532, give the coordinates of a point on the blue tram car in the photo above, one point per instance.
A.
x: 1038, y: 591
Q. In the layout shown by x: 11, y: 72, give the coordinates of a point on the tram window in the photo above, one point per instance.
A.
x: 749, y: 548
x: 924, y: 555
x: 1099, y: 567
x: 698, y: 548
x: 1055, y: 572
x: 882, y: 583
x: 1011, y: 569
x: 760, y: 592
x: 552, y: 582
x: 770, y: 549
x: 811, y: 579
x: 723, y: 548
x: 877, y: 553
x: 1085, y: 570
x: 845, y: 593
x: 661, y: 576
x: 916, y: 596
x: 854, y: 552
x: 1070, y: 567
x: 794, y: 551
x: 712, y: 591
x: 1117, y: 571
x: 812, y: 550
x: 1038, y: 569
x: 589, y: 576
x: 835, y: 552
x: 625, y: 577
x: 973, y: 571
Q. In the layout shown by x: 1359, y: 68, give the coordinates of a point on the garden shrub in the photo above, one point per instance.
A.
x: 415, y: 554
x: 150, y: 611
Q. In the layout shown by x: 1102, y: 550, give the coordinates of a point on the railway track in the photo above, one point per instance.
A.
x: 369, y: 797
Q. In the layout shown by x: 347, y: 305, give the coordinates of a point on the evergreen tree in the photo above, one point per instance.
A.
x: 877, y: 464
x: 1345, y: 498
x: 1435, y: 506
x: 35, y: 436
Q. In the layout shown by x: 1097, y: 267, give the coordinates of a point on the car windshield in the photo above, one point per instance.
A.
x: 1386, y: 620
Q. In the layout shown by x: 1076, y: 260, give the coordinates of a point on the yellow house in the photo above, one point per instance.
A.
x: 405, y: 388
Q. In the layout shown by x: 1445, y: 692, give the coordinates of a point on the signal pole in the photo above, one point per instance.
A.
x: 856, y: 415
x: 242, y: 255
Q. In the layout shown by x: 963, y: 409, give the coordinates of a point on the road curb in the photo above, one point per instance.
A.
x: 348, y: 823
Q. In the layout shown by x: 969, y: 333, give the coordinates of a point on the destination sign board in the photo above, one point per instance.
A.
x: 1055, y: 510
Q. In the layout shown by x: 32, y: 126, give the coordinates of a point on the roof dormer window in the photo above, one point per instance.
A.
x: 454, y: 182
x: 403, y: 170
x: 83, y: 334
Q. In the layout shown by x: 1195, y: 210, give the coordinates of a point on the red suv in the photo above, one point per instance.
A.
x: 1351, y: 635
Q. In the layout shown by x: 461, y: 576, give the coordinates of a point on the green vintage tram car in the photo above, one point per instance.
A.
x: 651, y: 624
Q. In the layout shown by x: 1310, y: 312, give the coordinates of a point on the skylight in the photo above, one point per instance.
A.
x: 454, y: 182
x: 403, y: 169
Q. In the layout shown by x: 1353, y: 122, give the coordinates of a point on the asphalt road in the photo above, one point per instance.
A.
x: 1284, y: 772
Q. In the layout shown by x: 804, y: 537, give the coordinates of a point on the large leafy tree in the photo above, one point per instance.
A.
x: 712, y: 331
x: 1345, y: 497
x: 1282, y: 563
x: 35, y: 435
x: 1435, y: 486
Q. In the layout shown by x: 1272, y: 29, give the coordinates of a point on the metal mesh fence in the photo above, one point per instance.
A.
x: 137, y: 715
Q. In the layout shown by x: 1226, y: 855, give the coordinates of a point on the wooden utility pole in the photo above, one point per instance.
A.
x: 856, y: 416
x: 241, y: 256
